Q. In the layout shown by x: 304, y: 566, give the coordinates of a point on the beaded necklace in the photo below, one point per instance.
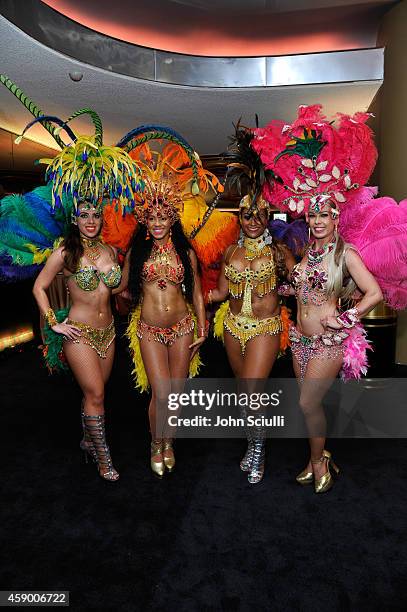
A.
x: 91, y: 248
x: 256, y: 247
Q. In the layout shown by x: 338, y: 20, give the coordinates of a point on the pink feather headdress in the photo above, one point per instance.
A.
x: 315, y: 161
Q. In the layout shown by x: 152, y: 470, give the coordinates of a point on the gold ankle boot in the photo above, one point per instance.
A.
x: 305, y: 478
x: 169, y: 462
x: 324, y: 483
x: 157, y: 467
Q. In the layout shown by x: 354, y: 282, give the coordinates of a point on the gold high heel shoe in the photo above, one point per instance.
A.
x: 169, y: 462
x: 324, y: 483
x: 305, y: 478
x: 158, y: 467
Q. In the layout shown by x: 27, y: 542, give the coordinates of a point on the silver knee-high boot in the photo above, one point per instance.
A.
x: 246, y: 462
x: 256, y: 471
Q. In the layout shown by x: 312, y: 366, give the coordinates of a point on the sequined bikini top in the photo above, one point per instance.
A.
x: 310, y: 283
x: 159, y: 271
x: 89, y: 277
x: 264, y: 280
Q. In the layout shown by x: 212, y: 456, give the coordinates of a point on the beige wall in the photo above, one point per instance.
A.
x: 393, y: 128
x: 393, y: 104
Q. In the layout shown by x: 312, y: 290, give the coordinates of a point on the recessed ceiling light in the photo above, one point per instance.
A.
x: 76, y: 76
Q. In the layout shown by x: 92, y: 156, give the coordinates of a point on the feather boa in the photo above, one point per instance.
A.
x: 355, y: 362
x: 52, y: 351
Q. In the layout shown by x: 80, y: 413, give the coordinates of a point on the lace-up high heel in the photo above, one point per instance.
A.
x: 157, y: 467
x: 99, y: 451
x: 169, y: 459
x: 86, y: 444
x: 256, y: 472
x: 326, y: 481
x: 247, y: 459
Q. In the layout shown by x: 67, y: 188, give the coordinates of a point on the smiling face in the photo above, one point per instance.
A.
x: 159, y: 225
x: 89, y: 220
x: 253, y: 225
x: 322, y: 223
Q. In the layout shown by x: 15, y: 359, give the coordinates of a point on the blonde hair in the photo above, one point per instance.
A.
x: 340, y: 283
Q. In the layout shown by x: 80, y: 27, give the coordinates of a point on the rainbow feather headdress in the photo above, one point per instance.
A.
x: 85, y: 169
x: 314, y: 161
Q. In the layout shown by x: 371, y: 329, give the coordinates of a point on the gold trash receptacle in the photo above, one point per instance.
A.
x: 381, y: 326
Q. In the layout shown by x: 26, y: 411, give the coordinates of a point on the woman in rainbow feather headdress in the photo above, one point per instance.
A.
x: 168, y: 322
x: 60, y: 226
x: 320, y: 172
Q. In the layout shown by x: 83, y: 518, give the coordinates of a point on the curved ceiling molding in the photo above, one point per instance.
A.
x: 57, y: 32
x: 203, y: 115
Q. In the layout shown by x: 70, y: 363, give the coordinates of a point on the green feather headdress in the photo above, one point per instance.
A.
x: 85, y: 169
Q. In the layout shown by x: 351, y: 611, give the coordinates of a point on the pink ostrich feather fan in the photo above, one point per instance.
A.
x: 314, y: 160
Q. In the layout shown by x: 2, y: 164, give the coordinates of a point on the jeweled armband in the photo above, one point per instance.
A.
x: 349, y: 318
x: 50, y: 317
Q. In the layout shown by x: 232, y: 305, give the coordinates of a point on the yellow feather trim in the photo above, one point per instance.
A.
x: 218, y: 320
x: 139, y: 372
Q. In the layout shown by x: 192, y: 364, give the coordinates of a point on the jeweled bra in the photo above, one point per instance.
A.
x: 89, y: 277
x: 310, y: 283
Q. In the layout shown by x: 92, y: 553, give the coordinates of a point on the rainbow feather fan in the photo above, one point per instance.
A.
x: 29, y: 231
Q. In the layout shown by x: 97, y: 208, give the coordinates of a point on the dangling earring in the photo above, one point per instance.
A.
x: 309, y: 234
x: 170, y: 232
x: 267, y: 236
x: 147, y: 235
x: 241, y: 239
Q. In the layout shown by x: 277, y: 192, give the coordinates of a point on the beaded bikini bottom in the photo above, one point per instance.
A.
x: 166, y: 335
x: 319, y: 346
x: 244, y: 328
x: 99, y: 338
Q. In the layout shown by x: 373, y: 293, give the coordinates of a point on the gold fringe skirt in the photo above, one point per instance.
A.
x: 244, y: 328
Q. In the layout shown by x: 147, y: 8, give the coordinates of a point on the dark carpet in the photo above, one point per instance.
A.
x: 202, y: 538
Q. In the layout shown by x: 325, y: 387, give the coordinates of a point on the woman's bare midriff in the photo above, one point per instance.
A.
x: 162, y: 308
x: 309, y: 316
x: 262, y: 307
x: 90, y: 307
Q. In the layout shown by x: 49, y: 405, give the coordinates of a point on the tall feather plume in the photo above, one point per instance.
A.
x: 246, y: 171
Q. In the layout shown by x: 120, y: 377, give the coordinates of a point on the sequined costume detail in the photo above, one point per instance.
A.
x: 160, y: 268
x: 245, y: 325
x: 310, y: 283
x: 89, y: 277
x: 328, y: 345
x: 99, y: 338
x: 244, y: 328
x: 166, y: 335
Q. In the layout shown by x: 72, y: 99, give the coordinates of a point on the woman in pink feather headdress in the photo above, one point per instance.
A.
x: 320, y: 172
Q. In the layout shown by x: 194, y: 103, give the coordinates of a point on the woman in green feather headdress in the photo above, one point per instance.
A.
x: 83, y: 176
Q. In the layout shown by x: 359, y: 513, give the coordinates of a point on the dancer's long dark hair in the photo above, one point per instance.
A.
x: 140, y: 252
x: 73, y: 248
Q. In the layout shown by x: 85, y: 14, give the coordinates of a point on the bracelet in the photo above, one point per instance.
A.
x: 50, y: 317
x: 203, y: 331
x: 349, y: 318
